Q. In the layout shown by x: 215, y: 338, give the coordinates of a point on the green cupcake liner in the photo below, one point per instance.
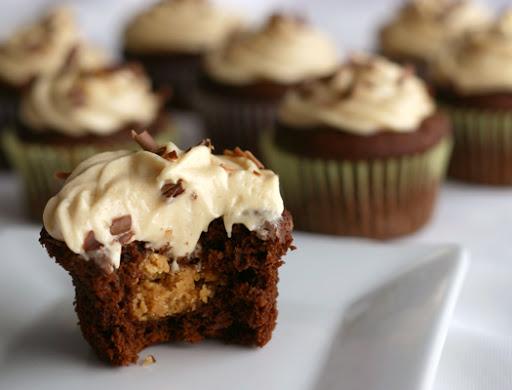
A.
x: 483, y: 145
x: 37, y: 163
x: 378, y: 199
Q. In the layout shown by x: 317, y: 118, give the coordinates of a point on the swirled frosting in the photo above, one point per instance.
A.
x: 130, y: 186
x: 100, y: 102
x: 285, y: 51
x: 422, y: 27
x: 43, y: 47
x: 189, y: 26
x: 479, y: 62
x: 365, y: 96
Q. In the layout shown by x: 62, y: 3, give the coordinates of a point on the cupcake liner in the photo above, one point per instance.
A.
x: 230, y: 122
x: 37, y: 163
x: 377, y: 199
x: 483, y: 146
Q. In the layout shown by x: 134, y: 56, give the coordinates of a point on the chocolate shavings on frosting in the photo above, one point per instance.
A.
x: 121, y: 225
x: 90, y: 242
x: 61, y: 175
x: 173, y: 190
x: 145, y: 140
x: 237, y: 152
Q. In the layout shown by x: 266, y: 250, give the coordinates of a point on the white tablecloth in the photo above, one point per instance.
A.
x: 478, y: 351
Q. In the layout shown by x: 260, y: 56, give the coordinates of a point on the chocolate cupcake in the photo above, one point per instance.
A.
x: 361, y: 153
x: 170, y: 245
x: 423, y: 27
x: 69, y: 116
x: 474, y: 84
x: 169, y: 38
x: 243, y: 81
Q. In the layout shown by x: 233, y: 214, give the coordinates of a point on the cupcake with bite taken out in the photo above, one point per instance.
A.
x: 423, y: 27
x: 71, y: 115
x: 360, y: 153
x: 243, y: 81
x: 473, y: 79
x: 167, y: 245
x: 170, y: 37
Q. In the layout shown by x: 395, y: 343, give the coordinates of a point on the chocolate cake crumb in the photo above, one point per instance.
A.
x: 193, y: 195
x: 149, y: 360
x: 256, y: 173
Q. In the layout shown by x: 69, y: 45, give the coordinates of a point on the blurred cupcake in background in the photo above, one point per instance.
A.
x: 169, y: 38
x: 243, y: 81
x: 361, y: 153
x: 39, y: 49
x: 72, y: 115
x: 422, y: 27
x: 473, y: 79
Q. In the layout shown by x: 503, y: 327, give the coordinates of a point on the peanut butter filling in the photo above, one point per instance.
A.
x: 165, y: 290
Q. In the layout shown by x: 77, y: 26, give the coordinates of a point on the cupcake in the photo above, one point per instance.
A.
x: 423, y: 27
x: 170, y: 245
x: 169, y: 38
x: 243, y: 81
x: 69, y: 116
x: 474, y: 84
x: 41, y: 48
x: 361, y: 153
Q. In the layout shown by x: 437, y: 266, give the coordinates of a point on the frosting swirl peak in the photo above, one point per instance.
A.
x: 286, y: 50
x: 422, y: 27
x: 42, y: 48
x: 190, y: 26
x: 100, y: 102
x: 479, y: 62
x: 365, y: 96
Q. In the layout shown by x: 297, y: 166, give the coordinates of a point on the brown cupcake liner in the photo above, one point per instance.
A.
x: 233, y: 122
x: 37, y: 164
x: 483, y: 145
x: 382, y: 198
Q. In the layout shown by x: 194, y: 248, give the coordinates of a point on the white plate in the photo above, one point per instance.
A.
x: 389, y: 337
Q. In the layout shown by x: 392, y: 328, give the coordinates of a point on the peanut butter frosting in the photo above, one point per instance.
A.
x: 286, y: 50
x: 165, y: 198
x: 422, y: 27
x: 43, y: 47
x: 189, y: 26
x: 480, y: 62
x: 100, y: 102
x: 365, y: 96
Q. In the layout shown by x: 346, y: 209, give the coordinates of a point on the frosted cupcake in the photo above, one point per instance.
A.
x: 243, y: 81
x: 169, y: 38
x: 474, y: 81
x: 69, y: 116
x: 423, y: 27
x: 361, y: 153
x: 41, y: 48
